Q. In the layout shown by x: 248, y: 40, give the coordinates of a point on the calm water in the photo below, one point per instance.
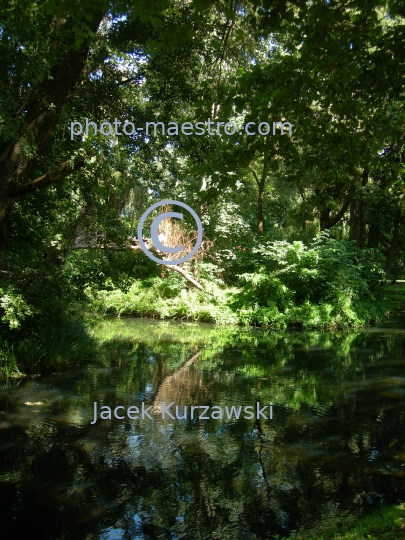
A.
x: 334, y: 447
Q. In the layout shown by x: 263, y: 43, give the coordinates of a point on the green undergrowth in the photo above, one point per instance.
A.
x: 48, y: 343
x: 387, y: 524
x: 329, y: 283
x: 168, y: 298
x: 230, y: 306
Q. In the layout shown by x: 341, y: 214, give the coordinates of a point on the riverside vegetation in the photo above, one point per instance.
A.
x: 329, y: 283
x: 300, y: 230
x: 303, y: 231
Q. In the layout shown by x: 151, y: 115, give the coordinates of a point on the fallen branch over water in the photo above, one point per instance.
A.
x: 82, y: 242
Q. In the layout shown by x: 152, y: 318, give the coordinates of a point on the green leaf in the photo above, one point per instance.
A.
x: 158, y: 23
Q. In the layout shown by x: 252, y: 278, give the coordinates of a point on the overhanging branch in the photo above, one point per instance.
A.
x: 48, y: 178
x: 82, y: 242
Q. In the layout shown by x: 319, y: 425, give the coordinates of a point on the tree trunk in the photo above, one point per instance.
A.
x: 261, y: 184
x: 324, y: 219
x: 361, y: 240
x: 41, y: 116
x: 394, y: 240
x: 260, y: 218
x: 373, y: 236
x: 353, y: 214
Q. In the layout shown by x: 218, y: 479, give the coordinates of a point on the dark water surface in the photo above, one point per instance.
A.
x: 334, y: 447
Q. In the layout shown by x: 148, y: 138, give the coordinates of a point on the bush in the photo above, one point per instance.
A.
x: 45, y: 343
x: 329, y: 282
x: 167, y: 299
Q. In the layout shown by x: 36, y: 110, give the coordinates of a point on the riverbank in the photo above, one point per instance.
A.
x: 386, y: 524
x: 56, y: 343
x: 52, y: 343
x: 259, y: 303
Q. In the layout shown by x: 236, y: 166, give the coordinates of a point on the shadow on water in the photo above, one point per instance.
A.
x: 334, y: 446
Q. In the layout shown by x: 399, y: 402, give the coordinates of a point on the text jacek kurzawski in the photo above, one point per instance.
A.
x: 184, y: 412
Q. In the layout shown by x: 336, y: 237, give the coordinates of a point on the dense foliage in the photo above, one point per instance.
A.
x: 327, y: 283
x: 299, y: 230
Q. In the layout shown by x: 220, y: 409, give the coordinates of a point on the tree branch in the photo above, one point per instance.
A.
x: 186, y: 276
x: 255, y: 175
x: 81, y: 242
x: 48, y: 178
x: 339, y: 215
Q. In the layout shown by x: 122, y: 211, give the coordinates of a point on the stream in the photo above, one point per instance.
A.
x: 330, y: 447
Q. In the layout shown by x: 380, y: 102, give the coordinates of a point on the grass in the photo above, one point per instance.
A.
x: 8, y: 361
x: 51, y: 344
x: 386, y: 524
x: 395, y: 295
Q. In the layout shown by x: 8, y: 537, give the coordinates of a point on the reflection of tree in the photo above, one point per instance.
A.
x: 178, y: 385
x: 334, y: 444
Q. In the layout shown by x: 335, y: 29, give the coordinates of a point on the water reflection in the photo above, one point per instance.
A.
x: 334, y: 447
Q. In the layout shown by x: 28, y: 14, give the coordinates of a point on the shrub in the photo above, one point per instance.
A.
x: 329, y: 282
